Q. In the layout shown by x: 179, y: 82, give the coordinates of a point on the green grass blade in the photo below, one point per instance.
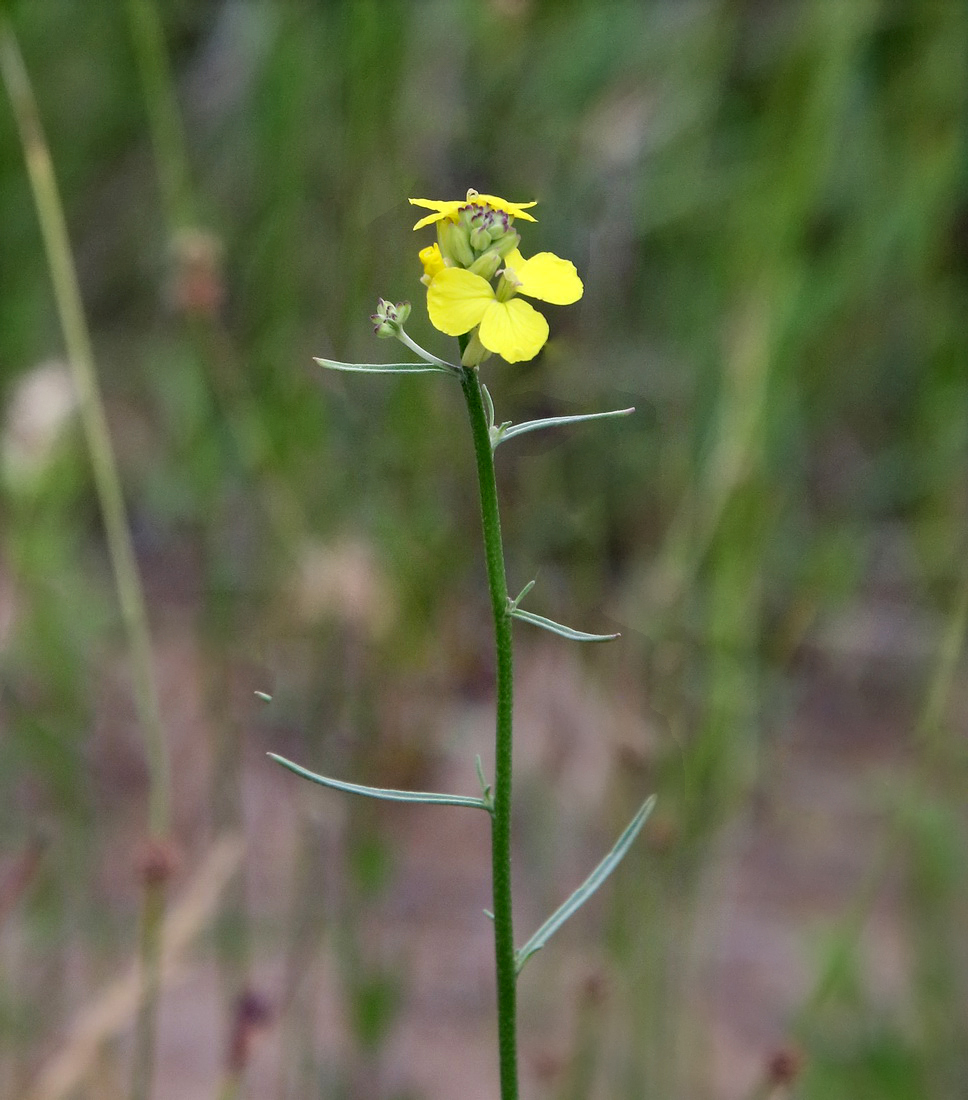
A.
x: 587, y: 888
x: 429, y: 798
x: 387, y: 368
x: 557, y: 628
x: 554, y: 422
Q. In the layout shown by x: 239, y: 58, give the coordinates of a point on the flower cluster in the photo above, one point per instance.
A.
x: 389, y: 318
x: 474, y: 274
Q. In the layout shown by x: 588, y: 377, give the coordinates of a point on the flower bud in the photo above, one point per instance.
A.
x: 507, y: 242
x: 454, y: 242
x: 486, y: 265
x: 480, y: 238
x: 432, y: 262
x: 499, y: 224
x: 389, y: 317
x: 475, y: 353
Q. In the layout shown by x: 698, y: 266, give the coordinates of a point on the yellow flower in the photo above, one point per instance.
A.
x: 449, y: 208
x: 432, y: 260
x: 458, y: 301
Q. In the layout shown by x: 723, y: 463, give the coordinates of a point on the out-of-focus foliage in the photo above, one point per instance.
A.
x: 768, y: 206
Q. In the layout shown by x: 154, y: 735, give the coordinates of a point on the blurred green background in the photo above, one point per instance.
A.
x: 768, y: 206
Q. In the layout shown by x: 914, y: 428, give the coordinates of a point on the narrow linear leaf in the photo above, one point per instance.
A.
x: 488, y: 406
x: 264, y: 696
x: 555, y: 422
x: 557, y: 628
x: 587, y: 888
x: 387, y: 368
x: 486, y: 796
x: 383, y: 793
x: 513, y: 604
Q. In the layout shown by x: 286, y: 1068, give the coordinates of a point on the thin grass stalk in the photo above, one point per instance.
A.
x: 501, y: 816
x: 210, y: 341
x: 107, y: 484
x: 164, y: 118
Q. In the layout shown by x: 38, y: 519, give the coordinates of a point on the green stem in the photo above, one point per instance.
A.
x: 501, y: 816
x: 209, y: 339
x: 107, y: 484
x: 164, y: 119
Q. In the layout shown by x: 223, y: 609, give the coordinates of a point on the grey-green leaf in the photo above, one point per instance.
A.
x: 587, y: 888
x: 557, y: 628
x: 388, y: 368
x: 513, y: 604
x: 386, y: 795
x: 553, y: 422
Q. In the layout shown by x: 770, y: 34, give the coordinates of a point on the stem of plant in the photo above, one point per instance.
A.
x: 501, y: 815
x: 148, y: 37
x: 107, y: 484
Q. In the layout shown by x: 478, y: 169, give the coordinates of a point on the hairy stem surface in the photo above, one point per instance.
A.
x: 501, y: 817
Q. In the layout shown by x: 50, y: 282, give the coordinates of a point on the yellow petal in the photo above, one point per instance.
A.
x: 445, y: 209
x: 432, y: 260
x: 457, y: 300
x: 547, y: 277
x: 514, y: 329
x: 515, y: 209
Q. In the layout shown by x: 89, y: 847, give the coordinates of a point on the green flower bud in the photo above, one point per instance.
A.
x: 486, y: 265
x: 507, y: 242
x: 389, y: 318
x: 475, y: 353
x: 480, y: 239
x: 472, y: 216
x: 454, y: 242
x: 499, y: 224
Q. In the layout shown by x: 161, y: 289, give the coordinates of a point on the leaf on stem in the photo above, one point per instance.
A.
x: 387, y: 368
x: 557, y: 628
x: 513, y: 604
x: 486, y: 797
x: 488, y: 406
x: 509, y: 431
x: 429, y: 798
x: 587, y: 888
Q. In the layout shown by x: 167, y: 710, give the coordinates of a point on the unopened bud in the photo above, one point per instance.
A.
x: 432, y: 262
x: 480, y: 238
x: 454, y: 243
x: 486, y: 266
x: 499, y: 224
x: 389, y: 318
x: 507, y: 242
x: 475, y: 353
